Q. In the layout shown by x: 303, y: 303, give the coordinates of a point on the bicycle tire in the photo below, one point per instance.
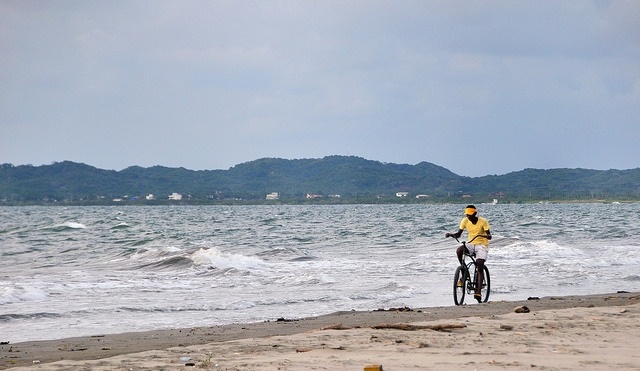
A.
x: 459, y: 291
x: 486, y: 285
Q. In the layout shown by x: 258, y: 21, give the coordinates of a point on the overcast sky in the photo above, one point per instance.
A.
x: 479, y: 87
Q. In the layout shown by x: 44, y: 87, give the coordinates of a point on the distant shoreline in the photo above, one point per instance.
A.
x: 315, y: 202
x: 327, y: 180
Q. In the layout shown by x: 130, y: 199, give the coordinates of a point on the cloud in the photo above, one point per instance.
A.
x: 210, y: 84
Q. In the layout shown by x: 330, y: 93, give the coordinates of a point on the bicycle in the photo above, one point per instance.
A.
x: 462, y: 283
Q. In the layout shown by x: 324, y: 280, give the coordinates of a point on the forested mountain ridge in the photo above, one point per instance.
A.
x: 354, y: 179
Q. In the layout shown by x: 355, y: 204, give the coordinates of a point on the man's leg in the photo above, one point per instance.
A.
x: 459, y: 252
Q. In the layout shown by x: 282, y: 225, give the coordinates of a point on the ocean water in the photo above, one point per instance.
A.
x: 75, y: 271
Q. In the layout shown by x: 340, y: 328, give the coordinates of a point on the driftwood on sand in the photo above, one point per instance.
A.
x: 402, y: 326
x: 410, y: 327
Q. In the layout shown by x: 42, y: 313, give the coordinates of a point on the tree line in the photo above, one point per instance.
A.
x: 331, y: 179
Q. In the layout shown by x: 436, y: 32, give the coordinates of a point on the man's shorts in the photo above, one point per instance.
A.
x: 480, y: 251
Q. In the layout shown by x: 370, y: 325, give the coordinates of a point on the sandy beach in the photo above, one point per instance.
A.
x: 549, y: 333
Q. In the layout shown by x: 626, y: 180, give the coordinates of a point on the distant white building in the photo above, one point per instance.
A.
x: 273, y: 196
x: 175, y: 196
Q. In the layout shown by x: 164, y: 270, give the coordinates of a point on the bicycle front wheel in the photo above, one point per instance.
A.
x: 486, y: 285
x: 459, y: 286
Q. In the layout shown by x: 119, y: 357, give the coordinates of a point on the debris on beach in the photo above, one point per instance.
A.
x: 402, y: 309
x: 373, y: 368
x: 410, y: 327
x: 337, y: 326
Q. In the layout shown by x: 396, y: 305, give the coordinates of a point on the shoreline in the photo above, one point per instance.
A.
x: 136, y: 345
x: 342, y: 202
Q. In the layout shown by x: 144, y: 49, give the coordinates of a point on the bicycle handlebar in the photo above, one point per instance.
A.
x: 464, y: 242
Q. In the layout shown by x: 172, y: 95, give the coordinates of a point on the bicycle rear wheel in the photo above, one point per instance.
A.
x: 459, y: 286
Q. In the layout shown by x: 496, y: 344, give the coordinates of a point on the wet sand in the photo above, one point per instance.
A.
x: 565, y: 332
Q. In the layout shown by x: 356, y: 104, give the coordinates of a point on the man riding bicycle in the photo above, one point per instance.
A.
x: 479, y: 236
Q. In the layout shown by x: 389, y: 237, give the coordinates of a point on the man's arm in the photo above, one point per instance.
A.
x: 456, y: 235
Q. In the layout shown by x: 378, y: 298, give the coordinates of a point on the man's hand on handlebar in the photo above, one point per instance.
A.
x: 454, y: 235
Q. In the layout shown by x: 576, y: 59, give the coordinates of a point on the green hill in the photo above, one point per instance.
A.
x: 354, y: 179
